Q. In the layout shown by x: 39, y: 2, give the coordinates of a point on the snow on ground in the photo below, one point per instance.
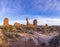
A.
x: 44, y: 38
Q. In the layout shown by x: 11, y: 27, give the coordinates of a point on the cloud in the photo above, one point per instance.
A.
x: 45, y: 5
x: 49, y: 21
x: 18, y: 21
x: 9, y: 7
x: 12, y: 7
x: 41, y: 21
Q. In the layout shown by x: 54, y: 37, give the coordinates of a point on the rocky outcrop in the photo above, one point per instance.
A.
x: 6, y: 22
x: 35, y: 23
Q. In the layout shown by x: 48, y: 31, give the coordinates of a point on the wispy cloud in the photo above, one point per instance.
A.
x: 45, y: 5
x: 9, y: 7
x: 49, y: 21
x: 41, y: 21
x: 18, y: 21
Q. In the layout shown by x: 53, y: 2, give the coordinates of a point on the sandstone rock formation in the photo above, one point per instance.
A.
x: 35, y: 23
x: 46, y: 25
x: 28, y: 24
x: 1, y: 37
x: 46, y: 28
x: 17, y: 24
x: 6, y: 22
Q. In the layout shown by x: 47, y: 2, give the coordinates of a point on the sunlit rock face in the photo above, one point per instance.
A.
x: 1, y: 37
x: 17, y: 24
x: 35, y: 23
x: 27, y: 22
x: 6, y: 22
x: 46, y: 25
x: 46, y: 28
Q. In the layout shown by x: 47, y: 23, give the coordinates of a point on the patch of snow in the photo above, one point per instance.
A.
x: 25, y: 39
x: 45, y: 38
x: 35, y: 40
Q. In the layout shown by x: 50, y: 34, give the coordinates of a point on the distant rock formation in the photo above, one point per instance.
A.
x: 35, y: 23
x: 46, y: 25
x: 17, y: 24
x: 27, y: 24
x: 46, y: 28
x: 6, y: 22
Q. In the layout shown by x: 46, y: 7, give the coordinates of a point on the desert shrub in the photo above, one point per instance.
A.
x: 7, y: 28
x: 9, y: 36
x: 52, y: 29
x: 43, y: 30
x: 17, y: 35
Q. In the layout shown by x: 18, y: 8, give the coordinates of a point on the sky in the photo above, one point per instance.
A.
x: 45, y: 11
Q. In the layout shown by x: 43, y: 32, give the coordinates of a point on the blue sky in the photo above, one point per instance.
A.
x: 45, y: 11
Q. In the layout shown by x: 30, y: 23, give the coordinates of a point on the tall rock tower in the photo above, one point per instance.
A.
x: 46, y: 28
x: 35, y: 23
x: 27, y: 20
x: 28, y: 24
x: 6, y: 22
